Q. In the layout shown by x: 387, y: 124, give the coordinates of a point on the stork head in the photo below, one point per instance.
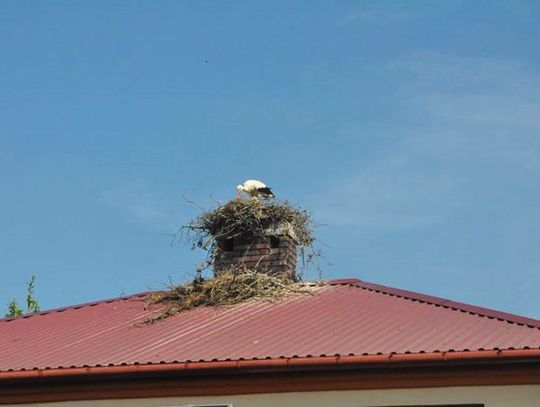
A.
x: 239, y: 189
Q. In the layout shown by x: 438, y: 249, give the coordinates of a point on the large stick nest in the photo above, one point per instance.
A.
x: 251, y: 219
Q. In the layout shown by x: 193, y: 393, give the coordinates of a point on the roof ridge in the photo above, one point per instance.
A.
x: 406, y: 294
x: 97, y: 302
x: 77, y: 306
x: 442, y: 302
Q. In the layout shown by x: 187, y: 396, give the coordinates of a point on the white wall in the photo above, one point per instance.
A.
x: 491, y: 396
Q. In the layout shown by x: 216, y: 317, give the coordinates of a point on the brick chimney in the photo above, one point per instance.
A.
x: 273, y: 254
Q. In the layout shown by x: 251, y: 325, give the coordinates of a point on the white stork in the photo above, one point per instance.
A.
x: 255, y: 189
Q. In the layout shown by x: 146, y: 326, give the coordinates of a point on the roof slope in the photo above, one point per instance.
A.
x: 342, y: 317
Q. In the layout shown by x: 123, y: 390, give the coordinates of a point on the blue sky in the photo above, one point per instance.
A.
x: 411, y: 130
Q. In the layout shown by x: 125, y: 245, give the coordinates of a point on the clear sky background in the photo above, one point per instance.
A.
x: 411, y: 130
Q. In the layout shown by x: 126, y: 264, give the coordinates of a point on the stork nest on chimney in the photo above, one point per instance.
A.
x: 251, y: 218
x: 228, y: 288
x: 246, y: 218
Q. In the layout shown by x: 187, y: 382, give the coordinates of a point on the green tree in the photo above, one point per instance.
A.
x: 32, y: 304
x: 13, y: 309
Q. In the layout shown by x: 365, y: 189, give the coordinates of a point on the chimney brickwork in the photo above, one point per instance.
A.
x: 274, y: 255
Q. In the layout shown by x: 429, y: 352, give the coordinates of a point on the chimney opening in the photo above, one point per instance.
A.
x: 227, y: 245
x: 274, y: 242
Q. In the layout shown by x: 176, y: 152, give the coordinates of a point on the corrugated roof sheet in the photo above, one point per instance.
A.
x: 345, y: 317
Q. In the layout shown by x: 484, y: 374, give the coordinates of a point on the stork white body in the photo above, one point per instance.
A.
x: 255, y: 189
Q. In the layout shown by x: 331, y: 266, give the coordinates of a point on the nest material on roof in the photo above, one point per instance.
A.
x: 251, y: 219
x: 228, y: 288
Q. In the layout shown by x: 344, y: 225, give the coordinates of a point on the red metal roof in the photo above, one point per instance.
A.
x: 342, y: 317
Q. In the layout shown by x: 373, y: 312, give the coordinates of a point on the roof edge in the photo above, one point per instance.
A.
x: 81, y: 305
x: 442, y: 302
x: 292, y: 363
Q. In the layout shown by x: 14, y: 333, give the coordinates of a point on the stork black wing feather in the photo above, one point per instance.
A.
x: 266, y: 191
